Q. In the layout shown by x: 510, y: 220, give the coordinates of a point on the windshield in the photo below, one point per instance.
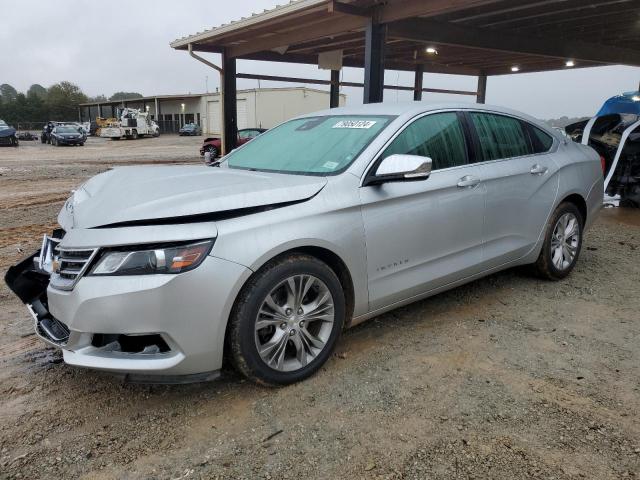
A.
x: 66, y: 130
x: 312, y: 146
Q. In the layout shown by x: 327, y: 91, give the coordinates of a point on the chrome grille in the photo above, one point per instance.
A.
x: 69, y: 266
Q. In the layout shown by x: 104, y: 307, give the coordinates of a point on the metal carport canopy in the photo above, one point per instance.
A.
x: 471, y: 37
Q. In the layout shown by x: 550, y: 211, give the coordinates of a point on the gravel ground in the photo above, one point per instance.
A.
x: 507, y: 377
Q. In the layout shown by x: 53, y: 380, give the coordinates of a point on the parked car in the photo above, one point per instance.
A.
x: 8, y: 135
x: 212, y: 144
x: 67, y: 135
x: 319, y: 224
x: 190, y: 129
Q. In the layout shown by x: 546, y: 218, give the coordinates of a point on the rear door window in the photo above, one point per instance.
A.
x: 438, y: 136
x: 500, y: 136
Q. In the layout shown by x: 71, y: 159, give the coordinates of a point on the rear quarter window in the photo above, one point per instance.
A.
x: 541, y: 140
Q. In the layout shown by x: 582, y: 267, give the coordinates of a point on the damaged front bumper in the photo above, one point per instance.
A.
x: 150, y: 328
x: 29, y: 280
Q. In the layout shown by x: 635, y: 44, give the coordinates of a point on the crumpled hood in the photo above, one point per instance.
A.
x: 129, y: 194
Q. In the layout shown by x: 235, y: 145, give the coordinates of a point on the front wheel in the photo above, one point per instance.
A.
x: 212, y: 150
x: 286, y: 320
x: 562, y: 243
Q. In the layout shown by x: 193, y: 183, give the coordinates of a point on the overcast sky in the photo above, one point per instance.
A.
x: 124, y: 46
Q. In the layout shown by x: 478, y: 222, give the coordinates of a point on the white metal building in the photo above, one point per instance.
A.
x: 257, y: 108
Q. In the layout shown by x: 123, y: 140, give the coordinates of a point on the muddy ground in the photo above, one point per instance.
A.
x: 508, y: 377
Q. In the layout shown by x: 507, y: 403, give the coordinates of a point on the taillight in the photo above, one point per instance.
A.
x: 603, y: 164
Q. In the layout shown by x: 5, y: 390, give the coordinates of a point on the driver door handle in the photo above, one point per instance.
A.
x: 468, y: 181
x: 538, y: 170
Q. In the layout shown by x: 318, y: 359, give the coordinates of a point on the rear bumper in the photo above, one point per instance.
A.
x: 187, y: 313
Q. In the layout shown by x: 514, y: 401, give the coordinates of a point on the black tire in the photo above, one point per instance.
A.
x: 134, y: 134
x: 81, y: 144
x: 544, y: 266
x: 240, y: 338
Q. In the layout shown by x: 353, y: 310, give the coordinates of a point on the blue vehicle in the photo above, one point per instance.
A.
x: 190, y: 129
x: 8, y: 135
x: 67, y: 135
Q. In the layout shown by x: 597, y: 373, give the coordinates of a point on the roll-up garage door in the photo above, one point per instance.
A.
x: 214, y: 125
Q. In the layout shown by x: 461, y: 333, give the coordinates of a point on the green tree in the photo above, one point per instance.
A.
x: 98, y: 98
x: 37, y: 91
x: 7, y: 92
x: 125, y: 96
x: 63, y: 99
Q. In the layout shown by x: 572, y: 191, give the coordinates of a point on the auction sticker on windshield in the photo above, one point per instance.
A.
x: 354, y: 124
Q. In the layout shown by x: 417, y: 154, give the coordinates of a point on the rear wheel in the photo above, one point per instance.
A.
x: 286, y: 321
x: 562, y: 244
x: 134, y: 134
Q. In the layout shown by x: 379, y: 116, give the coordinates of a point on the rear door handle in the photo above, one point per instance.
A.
x: 538, y: 170
x: 468, y: 181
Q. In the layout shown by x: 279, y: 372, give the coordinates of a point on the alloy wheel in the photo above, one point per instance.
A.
x: 294, y: 323
x: 565, y: 241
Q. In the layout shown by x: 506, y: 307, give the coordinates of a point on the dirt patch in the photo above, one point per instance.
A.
x: 507, y: 377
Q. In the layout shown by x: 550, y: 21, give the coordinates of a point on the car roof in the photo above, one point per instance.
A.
x: 408, y: 110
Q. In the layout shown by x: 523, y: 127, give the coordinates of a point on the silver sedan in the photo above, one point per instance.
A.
x: 160, y: 273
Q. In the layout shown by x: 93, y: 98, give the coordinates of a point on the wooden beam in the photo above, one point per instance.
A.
x: 348, y: 9
x: 510, y: 10
x: 358, y: 62
x: 314, y: 81
x: 393, y: 11
x: 327, y: 28
x: 567, y: 12
x: 449, y: 34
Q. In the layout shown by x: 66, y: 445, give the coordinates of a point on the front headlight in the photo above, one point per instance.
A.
x: 176, y: 258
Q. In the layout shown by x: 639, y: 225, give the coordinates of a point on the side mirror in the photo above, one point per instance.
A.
x: 398, y: 168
